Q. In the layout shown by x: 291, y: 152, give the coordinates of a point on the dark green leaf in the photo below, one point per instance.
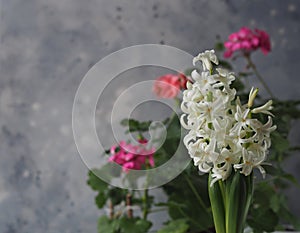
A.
x: 271, y: 170
x: 136, y: 126
x: 275, y: 203
x: 134, y: 225
x: 176, y: 226
x: 143, y: 225
x: 100, y: 199
x: 286, y: 215
x: 117, y: 195
x: 225, y: 64
x: 263, y: 220
x: 106, y: 225
x: 291, y: 178
x: 95, y: 182
x: 238, y: 85
x: 218, y: 204
x: 280, y: 143
x: 219, y: 46
x: 183, y: 203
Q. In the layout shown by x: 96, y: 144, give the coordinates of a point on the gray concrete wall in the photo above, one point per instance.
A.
x: 47, y: 46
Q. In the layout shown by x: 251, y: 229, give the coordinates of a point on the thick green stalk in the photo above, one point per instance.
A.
x: 217, y: 205
x: 230, y: 201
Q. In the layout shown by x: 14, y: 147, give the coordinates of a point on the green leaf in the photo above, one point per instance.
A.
x: 225, y: 64
x: 280, y: 143
x: 144, y: 126
x: 183, y: 203
x: 275, y: 203
x: 143, y: 225
x: 265, y: 220
x: 174, y: 129
x: 232, y: 191
x: 116, y: 195
x: 238, y: 85
x: 271, y: 170
x: 266, y: 202
x: 109, y: 170
x: 176, y: 226
x: 100, y: 199
x: 217, y: 205
x: 171, y: 143
x: 278, y: 172
x: 174, y: 204
x: 238, y: 195
x: 136, y: 225
x: 95, y: 182
x: 262, y: 194
x: 136, y: 126
x: 106, y: 225
x: 219, y: 46
x: 291, y: 178
x: 289, y: 217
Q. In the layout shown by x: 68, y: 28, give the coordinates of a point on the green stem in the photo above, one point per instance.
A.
x: 145, y: 197
x: 234, y: 201
x: 217, y: 205
x: 170, y: 119
x: 177, y: 102
x: 295, y: 148
x: 230, y: 201
x: 188, y: 217
x: 258, y: 75
x: 145, y: 204
x: 201, y: 202
x: 222, y: 190
x: 174, y: 114
x: 249, y: 196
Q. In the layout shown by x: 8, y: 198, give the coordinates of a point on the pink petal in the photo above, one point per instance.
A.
x: 227, y: 53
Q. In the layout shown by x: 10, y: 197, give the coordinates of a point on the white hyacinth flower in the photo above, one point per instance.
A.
x: 207, y: 58
x: 223, y: 135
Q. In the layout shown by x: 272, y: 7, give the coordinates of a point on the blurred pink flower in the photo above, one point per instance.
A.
x: 264, y: 39
x: 169, y: 85
x: 132, y: 156
x: 247, y: 41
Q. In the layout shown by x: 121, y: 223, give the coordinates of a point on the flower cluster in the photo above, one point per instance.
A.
x: 246, y: 40
x: 223, y: 134
x: 132, y: 156
x: 169, y: 85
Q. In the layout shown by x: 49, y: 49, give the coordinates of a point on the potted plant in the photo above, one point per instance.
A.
x: 231, y: 130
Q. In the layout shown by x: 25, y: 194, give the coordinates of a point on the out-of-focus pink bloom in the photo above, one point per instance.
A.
x: 169, y: 85
x: 265, y: 44
x: 132, y: 156
x: 247, y: 41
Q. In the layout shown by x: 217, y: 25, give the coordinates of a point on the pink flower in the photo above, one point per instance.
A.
x: 169, y: 85
x: 247, y: 41
x: 132, y: 156
x: 265, y: 44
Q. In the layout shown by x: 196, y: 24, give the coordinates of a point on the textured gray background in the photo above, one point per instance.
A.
x: 47, y: 46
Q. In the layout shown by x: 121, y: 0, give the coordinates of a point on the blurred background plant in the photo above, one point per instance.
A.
x: 187, y: 198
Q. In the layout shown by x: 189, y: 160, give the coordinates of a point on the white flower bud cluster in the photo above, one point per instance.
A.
x: 223, y: 134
